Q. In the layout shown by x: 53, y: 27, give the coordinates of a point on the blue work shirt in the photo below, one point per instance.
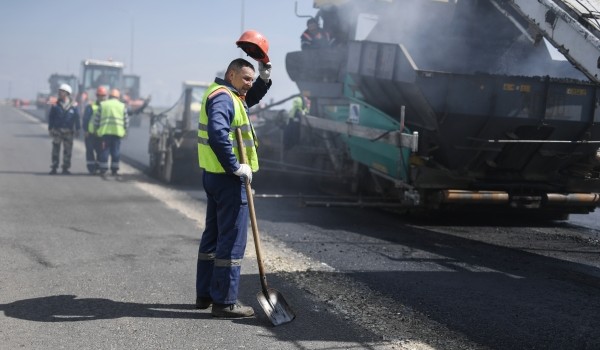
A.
x: 61, y: 118
x: 220, y: 112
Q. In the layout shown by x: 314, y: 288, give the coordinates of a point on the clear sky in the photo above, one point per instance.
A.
x: 173, y: 40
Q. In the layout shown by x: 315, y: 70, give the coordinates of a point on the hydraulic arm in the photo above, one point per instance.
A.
x: 571, y: 26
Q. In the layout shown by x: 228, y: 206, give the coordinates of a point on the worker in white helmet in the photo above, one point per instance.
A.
x: 63, y: 126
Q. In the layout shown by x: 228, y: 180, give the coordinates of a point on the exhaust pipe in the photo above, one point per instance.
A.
x: 501, y: 197
x: 573, y: 198
x: 467, y: 197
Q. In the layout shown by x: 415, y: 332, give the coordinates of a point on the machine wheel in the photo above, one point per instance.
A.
x: 154, y: 158
x: 180, y: 172
x: 167, y: 170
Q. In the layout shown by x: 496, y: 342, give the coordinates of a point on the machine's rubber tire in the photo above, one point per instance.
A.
x: 167, y: 171
x: 154, y: 160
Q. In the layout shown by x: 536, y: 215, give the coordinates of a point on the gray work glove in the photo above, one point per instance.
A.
x: 264, y: 70
x: 245, y: 171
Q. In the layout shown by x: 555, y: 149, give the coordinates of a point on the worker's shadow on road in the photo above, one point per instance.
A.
x: 67, y: 308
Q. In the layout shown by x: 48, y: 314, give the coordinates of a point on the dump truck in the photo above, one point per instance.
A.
x: 443, y: 105
x: 173, y: 142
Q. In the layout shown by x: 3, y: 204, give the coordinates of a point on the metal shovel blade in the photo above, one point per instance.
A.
x: 275, y: 306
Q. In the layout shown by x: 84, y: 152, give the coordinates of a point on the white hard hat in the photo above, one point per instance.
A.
x: 65, y: 87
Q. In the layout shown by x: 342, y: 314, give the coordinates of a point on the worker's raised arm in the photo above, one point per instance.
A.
x: 257, y: 92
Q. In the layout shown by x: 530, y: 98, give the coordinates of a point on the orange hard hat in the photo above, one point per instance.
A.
x: 254, y: 45
x: 115, y: 93
x: 101, y: 91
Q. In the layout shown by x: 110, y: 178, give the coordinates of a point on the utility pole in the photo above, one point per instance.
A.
x: 131, y: 41
x: 243, y: 15
x: 242, y: 24
x: 131, y: 54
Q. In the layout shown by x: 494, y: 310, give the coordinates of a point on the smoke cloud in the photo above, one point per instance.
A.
x: 463, y: 36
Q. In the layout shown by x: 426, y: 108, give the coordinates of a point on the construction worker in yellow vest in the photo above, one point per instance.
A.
x: 92, y: 153
x: 291, y: 133
x: 111, y: 125
x: 224, y: 109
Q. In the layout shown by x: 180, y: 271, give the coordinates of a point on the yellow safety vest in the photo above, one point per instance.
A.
x: 112, y: 118
x: 297, y: 105
x: 91, y: 128
x: 206, y: 157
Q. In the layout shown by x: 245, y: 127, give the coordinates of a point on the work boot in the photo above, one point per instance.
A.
x: 236, y: 310
x: 116, y: 175
x: 203, y: 303
x: 66, y: 172
x: 52, y: 171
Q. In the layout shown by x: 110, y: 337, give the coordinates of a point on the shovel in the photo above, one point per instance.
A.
x: 272, y: 302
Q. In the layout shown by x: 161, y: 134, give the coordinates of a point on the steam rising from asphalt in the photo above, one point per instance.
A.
x: 466, y: 37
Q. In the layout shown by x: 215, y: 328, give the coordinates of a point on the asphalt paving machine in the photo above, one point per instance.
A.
x: 109, y: 73
x: 55, y: 80
x: 96, y: 73
x: 173, y: 142
x: 48, y: 98
x: 455, y: 104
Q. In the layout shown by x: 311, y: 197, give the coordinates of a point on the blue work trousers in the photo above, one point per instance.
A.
x: 224, y: 239
x: 109, y: 145
x: 91, y: 153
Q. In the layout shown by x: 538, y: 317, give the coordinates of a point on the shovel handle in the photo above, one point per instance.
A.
x: 255, y: 234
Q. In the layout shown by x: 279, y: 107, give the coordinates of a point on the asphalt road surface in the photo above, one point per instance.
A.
x: 110, y: 264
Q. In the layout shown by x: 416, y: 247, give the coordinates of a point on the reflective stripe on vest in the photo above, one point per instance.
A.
x: 112, y: 118
x: 91, y: 128
x: 206, y: 157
